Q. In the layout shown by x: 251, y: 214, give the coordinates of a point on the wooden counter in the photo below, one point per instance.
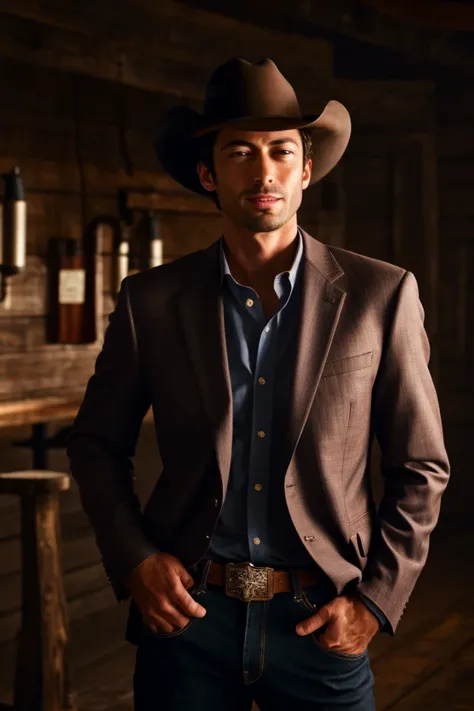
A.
x: 31, y: 411
x: 38, y: 412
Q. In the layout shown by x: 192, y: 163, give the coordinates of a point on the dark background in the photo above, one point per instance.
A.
x: 81, y: 87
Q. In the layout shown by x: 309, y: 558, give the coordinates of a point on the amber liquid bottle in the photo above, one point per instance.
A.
x: 67, y: 292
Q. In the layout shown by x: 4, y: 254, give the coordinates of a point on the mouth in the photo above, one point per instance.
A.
x: 263, y: 202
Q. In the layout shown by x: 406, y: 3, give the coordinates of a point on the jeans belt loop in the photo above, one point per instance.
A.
x: 202, y: 585
x: 295, y: 581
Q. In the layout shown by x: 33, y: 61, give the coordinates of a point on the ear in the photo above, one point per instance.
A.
x: 307, y: 174
x: 205, y: 176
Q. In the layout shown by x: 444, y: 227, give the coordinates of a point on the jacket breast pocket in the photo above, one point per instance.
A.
x: 348, y: 364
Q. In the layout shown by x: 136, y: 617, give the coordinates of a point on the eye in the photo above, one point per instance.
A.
x: 284, y: 151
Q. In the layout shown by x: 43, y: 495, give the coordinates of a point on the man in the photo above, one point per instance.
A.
x: 260, y: 568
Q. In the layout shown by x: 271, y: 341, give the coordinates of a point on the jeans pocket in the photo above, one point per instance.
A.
x: 335, y: 654
x: 175, y: 633
x: 307, y: 598
x: 166, y: 635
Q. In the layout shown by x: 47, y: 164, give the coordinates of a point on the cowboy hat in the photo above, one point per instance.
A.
x: 253, y: 97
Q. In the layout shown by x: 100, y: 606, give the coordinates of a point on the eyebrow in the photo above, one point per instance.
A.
x: 275, y: 142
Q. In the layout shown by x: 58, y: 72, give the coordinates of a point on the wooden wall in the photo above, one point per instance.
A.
x: 62, y: 130
x: 80, y: 124
x: 78, y: 139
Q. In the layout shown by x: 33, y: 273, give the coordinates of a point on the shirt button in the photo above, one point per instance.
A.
x: 216, y: 502
x: 249, y: 302
x: 258, y: 487
x: 262, y: 381
x: 261, y: 434
x: 256, y: 541
x: 267, y: 329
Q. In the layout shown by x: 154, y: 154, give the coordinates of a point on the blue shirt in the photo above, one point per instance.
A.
x: 254, y: 524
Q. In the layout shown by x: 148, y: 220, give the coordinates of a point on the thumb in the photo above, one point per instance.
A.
x: 321, y: 617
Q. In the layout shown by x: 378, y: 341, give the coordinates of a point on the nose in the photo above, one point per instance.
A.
x: 263, y: 170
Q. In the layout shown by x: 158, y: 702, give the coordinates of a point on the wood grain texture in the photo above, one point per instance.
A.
x: 41, y: 680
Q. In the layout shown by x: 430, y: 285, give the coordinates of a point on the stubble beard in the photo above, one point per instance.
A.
x: 264, y: 221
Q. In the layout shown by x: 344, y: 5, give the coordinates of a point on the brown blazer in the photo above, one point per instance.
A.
x: 361, y: 370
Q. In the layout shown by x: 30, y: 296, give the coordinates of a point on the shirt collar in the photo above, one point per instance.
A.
x: 224, y: 265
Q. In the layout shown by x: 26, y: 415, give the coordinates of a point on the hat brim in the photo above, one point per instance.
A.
x: 177, y: 144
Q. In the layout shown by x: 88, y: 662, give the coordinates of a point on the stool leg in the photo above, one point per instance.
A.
x: 40, y: 681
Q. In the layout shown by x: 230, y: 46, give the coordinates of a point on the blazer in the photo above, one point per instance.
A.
x: 361, y: 372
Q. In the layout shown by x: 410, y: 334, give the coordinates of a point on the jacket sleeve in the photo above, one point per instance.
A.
x: 414, y: 462
x: 102, y: 443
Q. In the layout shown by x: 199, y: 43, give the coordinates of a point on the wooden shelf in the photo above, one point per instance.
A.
x: 44, y: 409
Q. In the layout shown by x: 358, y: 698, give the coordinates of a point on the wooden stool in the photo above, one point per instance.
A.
x: 41, y: 676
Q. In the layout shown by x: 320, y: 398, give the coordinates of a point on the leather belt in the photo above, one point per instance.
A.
x: 249, y: 582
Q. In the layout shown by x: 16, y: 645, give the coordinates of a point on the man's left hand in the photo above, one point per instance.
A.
x: 350, y: 625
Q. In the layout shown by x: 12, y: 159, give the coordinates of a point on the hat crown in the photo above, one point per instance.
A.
x: 239, y: 89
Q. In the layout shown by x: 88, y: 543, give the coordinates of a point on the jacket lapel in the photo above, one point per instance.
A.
x: 321, y: 307
x: 201, y: 313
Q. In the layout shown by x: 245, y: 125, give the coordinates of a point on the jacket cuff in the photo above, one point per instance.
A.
x: 375, y: 609
x: 119, y: 574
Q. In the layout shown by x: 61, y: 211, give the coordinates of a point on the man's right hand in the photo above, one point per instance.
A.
x: 159, y: 586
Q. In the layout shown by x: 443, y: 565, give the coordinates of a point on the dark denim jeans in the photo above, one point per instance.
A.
x: 241, y: 652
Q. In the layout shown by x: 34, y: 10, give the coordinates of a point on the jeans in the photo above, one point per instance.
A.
x: 244, y: 651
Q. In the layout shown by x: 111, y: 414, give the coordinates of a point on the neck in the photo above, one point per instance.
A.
x: 256, y: 258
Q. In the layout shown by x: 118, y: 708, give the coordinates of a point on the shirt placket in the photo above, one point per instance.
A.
x: 260, y: 441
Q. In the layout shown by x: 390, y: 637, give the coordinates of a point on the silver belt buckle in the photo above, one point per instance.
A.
x: 248, y: 582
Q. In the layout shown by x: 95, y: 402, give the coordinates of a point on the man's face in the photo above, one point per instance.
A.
x: 251, y: 163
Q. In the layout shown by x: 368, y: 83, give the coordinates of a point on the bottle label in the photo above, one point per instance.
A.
x: 72, y: 286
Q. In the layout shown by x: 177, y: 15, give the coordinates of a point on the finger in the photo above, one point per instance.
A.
x: 187, y: 604
x: 173, y: 616
x: 185, y: 577
x: 159, y: 625
x: 313, y: 623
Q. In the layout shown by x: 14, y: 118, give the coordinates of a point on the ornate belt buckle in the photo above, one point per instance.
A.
x: 247, y: 582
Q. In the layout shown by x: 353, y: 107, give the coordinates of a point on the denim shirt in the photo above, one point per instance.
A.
x: 254, y: 524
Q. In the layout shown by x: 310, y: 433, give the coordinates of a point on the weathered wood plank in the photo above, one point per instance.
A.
x: 77, y: 608
x: 34, y: 375
x: 77, y: 553
x: 108, y: 626
x: 178, y: 32
x: 452, y: 686
x: 26, y: 295
x: 331, y: 20
x: 73, y: 522
x: 77, y: 583
x: 408, y: 668
x: 71, y: 51
x: 398, y: 102
x: 10, y: 509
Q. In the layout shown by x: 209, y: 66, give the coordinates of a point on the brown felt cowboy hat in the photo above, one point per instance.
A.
x: 253, y: 97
